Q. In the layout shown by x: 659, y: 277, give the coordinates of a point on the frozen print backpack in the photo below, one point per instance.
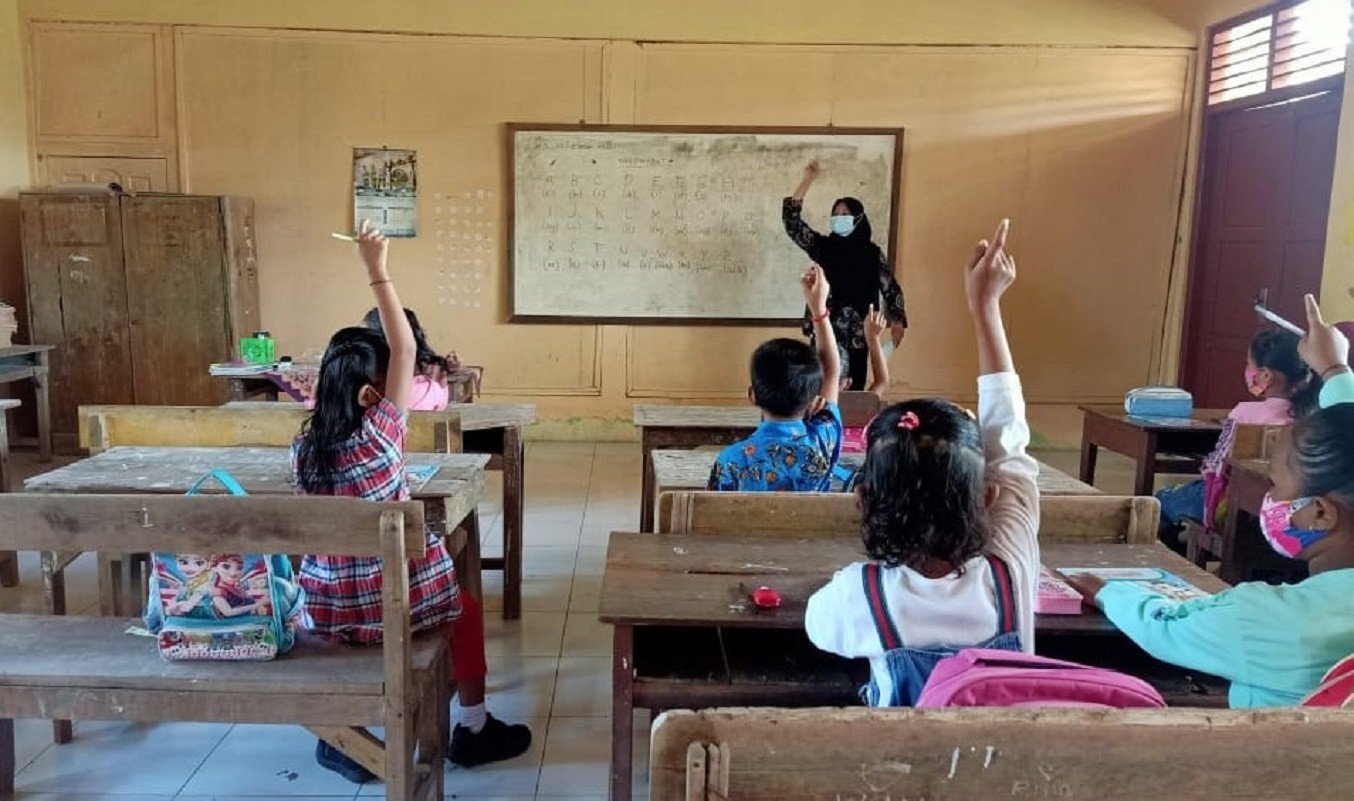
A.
x: 222, y: 606
x: 984, y: 677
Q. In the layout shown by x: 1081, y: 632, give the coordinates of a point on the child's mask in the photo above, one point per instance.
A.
x: 1258, y: 381
x: 1282, y: 534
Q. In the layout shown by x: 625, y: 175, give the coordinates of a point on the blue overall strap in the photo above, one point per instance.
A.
x: 874, y: 594
x: 1005, y: 591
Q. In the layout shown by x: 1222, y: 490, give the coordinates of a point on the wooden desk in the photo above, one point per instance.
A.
x: 675, y: 600
x: 1157, y: 445
x: 296, y: 384
x: 30, y: 362
x: 495, y: 429
x: 678, y: 470
x: 662, y: 427
x: 449, y: 497
x: 9, y: 560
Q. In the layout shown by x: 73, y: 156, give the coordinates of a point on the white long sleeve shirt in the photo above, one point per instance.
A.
x: 958, y: 610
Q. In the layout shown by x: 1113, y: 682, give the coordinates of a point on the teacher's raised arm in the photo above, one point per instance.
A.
x: 856, y: 270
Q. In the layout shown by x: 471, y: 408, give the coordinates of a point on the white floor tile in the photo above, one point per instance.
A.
x: 522, y: 689
x: 536, y: 634
x: 114, y: 758
x: 31, y: 738
x: 578, y: 759
x: 267, y: 760
x: 87, y: 797
x: 586, y: 594
x: 582, y: 688
x: 228, y: 797
x: 585, y: 635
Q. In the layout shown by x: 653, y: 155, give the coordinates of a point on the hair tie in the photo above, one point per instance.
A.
x: 909, y: 421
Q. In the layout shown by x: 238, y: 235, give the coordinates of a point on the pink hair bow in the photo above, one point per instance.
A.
x: 909, y: 421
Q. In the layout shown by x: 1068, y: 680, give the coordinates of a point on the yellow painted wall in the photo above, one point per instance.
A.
x: 13, y: 152
x: 1337, y: 281
x: 1082, y: 142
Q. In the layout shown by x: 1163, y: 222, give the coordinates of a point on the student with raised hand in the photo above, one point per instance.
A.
x: 949, y: 518
x: 799, y: 440
x: 1274, y: 643
x: 352, y: 445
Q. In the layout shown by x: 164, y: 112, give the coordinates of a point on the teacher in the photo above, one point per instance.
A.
x: 856, y: 270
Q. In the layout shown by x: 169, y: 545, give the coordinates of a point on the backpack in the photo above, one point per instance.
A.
x: 910, y: 668
x: 983, y: 677
x: 225, y: 606
x: 1337, y: 686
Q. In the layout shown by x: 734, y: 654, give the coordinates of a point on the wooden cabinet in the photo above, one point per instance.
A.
x: 140, y: 293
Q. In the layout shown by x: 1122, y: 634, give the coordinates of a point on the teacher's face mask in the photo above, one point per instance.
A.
x: 843, y: 224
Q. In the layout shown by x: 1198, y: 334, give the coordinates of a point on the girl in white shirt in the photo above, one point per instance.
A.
x: 950, y: 516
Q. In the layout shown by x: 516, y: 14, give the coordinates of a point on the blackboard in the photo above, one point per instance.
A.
x: 678, y: 225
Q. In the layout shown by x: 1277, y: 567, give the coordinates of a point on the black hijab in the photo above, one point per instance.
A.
x: 851, y: 263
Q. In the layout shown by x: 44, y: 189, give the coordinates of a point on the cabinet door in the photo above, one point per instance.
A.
x: 77, y: 298
x: 176, y: 297
x: 133, y: 174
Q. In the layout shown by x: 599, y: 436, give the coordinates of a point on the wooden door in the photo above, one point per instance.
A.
x: 77, y: 298
x: 133, y: 174
x: 176, y: 297
x: 1266, y: 188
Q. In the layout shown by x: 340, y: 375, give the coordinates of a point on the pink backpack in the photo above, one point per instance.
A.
x: 983, y: 677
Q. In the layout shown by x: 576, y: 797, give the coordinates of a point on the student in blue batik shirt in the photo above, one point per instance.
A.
x: 799, y: 440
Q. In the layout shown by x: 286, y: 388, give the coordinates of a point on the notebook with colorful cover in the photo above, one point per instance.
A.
x: 1152, y: 579
x: 1055, y: 596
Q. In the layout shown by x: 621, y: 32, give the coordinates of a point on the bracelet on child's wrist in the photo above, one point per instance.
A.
x: 381, y: 281
x: 1333, y: 370
x: 818, y: 318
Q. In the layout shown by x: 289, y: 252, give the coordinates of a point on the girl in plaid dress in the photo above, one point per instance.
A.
x: 353, y: 445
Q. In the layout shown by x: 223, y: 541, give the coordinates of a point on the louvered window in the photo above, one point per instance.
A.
x: 1293, y: 45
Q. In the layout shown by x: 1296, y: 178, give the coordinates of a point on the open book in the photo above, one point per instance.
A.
x: 1152, y: 579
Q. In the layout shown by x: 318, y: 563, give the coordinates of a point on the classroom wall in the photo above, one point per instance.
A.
x: 1069, y: 115
x: 13, y: 151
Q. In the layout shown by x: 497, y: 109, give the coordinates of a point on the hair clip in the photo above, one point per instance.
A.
x: 909, y: 421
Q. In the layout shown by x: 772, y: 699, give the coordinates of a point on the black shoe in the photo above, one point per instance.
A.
x: 333, y: 759
x: 496, y: 742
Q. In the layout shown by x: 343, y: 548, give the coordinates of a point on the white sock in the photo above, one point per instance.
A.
x: 472, y: 717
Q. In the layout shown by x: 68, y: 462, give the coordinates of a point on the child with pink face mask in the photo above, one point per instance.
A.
x: 1285, y: 389
x: 1274, y: 643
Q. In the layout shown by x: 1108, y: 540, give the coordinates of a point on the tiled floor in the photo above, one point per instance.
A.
x: 549, y: 669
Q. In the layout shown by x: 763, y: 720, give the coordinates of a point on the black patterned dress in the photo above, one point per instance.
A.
x: 859, y: 275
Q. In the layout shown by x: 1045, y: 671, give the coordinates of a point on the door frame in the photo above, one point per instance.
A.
x: 1207, y: 121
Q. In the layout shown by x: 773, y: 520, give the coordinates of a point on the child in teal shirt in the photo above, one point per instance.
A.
x: 1274, y: 643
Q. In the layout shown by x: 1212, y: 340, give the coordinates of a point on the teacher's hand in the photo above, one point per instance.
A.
x: 899, y: 331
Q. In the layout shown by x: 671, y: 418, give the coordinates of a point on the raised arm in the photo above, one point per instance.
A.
x: 991, y: 271
x: 792, y: 211
x: 876, y: 324
x: 373, y: 246
x: 816, y: 291
x: 1326, y: 351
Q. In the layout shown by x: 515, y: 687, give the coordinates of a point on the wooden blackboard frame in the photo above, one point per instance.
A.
x: 511, y: 130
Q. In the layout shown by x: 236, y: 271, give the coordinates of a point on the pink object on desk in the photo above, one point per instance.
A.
x: 853, y: 439
x: 766, y: 598
x: 1055, y: 596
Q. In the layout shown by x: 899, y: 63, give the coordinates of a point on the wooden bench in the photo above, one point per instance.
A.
x: 1088, y: 518
x: 972, y: 754
x: 9, y: 560
x: 89, y: 668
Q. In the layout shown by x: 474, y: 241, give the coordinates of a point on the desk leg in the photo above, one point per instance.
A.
x: 1089, y: 452
x: 237, y: 390
x: 1145, y: 474
x: 514, y: 480
x: 1228, y: 568
x: 469, y: 570
x: 43, y: 400
x: 7, y: 758
x: 646, y: 491
x: 622, y: 712
x: 54, y: 588
x: 9, y: 560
